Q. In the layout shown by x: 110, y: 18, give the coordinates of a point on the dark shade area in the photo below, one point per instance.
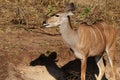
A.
x: 69, y: 70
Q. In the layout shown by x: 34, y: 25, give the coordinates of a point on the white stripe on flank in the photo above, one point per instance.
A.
x: 94, y: 34
x: 103, y: 24
x: 101, y: 35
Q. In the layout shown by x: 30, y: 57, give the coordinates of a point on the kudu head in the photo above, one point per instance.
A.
x: 57, y: 18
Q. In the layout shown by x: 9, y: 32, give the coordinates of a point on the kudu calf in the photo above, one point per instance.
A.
x: 86, y: 41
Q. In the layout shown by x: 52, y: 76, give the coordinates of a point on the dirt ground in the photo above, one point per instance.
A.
x: 19, y: 47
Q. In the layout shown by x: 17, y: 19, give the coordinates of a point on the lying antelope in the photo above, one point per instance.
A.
x: 86, y: 41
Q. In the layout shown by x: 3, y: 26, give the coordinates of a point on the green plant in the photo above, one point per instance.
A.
x: 51, y: 10
x: 84, y: 13
x: 87, y: 10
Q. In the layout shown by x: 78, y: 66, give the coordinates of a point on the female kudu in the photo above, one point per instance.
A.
x: 86, y: 41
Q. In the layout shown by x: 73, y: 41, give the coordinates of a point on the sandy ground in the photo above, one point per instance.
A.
x: 19, y: 47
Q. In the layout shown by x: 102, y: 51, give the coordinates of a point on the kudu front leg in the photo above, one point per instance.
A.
x: 83, y: 68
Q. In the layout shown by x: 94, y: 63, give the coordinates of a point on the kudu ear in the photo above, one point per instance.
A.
x: 70, y: 7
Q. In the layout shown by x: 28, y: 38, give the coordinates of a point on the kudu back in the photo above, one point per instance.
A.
x: 87, y: 40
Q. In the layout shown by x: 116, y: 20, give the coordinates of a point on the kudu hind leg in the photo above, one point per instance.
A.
x: 101, y: 67
x: 111, y: 57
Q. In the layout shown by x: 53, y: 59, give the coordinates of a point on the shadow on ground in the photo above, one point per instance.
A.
x: 69, y: 71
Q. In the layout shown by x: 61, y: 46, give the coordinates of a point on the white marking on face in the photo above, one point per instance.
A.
x: 57, y: 19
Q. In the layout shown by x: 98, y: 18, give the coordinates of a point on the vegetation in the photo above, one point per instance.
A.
x: 32, y: 12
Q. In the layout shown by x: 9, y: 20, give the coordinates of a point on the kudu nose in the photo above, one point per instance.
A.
x: 43, y: 24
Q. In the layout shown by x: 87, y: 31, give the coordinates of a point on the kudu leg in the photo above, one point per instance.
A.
x: 111, y: 58
x: 101, y: 67
x: 83, y: 68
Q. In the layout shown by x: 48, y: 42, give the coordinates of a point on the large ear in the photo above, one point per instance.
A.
x: 70, y: 7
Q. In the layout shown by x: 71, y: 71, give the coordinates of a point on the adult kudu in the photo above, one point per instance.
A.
x: 86, y: 41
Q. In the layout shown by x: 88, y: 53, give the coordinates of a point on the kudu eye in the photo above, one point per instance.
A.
x: 57, y: 15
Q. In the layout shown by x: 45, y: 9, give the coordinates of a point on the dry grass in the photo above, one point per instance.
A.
x: 33, y: 11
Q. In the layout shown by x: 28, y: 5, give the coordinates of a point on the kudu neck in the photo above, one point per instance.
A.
x: 69, y: 35
x: 66, y: 26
